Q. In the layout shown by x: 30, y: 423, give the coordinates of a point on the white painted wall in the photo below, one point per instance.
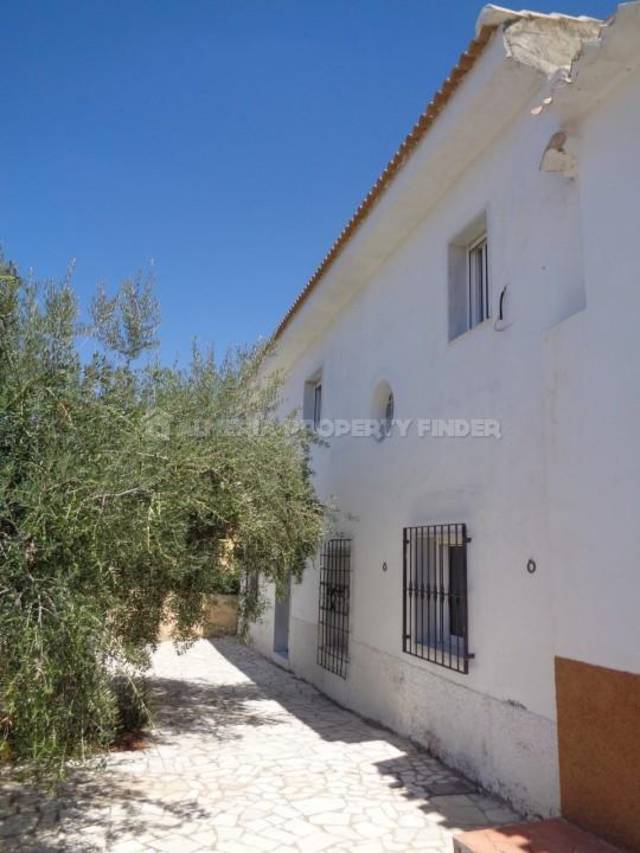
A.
x: 593, y: 404
x: 561, y: 485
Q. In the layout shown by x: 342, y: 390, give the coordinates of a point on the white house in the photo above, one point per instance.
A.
x: 482, y: 590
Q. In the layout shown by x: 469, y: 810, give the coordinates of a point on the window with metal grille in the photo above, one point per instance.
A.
x: 434, y: 611
x: 333, y: 614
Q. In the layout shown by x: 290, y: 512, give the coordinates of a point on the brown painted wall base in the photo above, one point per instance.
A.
x: 599, y: 749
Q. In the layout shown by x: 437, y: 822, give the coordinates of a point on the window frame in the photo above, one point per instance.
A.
x: 483, y: 306
x: 469, y: 302
x: 317, y: 404
x: 312, y: 400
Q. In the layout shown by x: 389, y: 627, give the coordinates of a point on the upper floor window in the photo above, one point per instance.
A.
x: 469, y: 286
x: 317, y: 404
x: 478, y: 281
x: 312, y: 404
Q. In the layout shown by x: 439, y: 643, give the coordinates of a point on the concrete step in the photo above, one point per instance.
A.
x: 543, y: 836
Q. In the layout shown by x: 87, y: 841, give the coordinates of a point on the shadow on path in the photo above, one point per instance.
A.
x: 415, y: 773
x: 297, y: 697
x: 196, y: 708
x: 242, y: 746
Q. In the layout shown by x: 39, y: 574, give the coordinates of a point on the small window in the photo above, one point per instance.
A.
x: 312, y: 404
x: 435, y: 622
x: 469, y: 286
x: 478, y: 281
x: 317, y: 404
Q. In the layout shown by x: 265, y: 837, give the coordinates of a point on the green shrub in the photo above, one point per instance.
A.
x: 132, y: 702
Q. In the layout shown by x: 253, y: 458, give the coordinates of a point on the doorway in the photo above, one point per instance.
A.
x: 281, y: 619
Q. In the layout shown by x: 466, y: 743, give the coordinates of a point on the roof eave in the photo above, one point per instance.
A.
x: 533, y: 49
x: 464, y: 64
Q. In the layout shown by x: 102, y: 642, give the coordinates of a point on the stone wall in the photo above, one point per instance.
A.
x: 221, y: 618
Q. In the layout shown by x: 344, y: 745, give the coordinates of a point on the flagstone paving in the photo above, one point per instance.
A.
x: 245, y: 757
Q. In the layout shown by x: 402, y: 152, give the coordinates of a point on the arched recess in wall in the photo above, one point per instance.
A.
x: 383, y: 408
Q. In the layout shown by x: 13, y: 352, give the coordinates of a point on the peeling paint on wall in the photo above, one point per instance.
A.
x: 556, y: 158
x: 550, y: 45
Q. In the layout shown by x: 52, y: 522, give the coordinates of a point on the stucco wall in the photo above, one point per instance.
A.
x: 221, y: 617
x: 593, y: 409
x: 593, y: 405
x: 553, y: 488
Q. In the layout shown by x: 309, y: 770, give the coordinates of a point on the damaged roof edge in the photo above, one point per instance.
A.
x: 491, y: 18
x: 495, y: 16
x: 548, y: 43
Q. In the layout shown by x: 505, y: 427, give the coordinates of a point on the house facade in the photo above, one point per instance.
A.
x: 469, y: 351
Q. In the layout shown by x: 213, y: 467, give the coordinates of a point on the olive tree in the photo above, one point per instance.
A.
x: 128, y: 491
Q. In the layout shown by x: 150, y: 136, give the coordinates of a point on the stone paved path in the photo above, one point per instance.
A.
x: 247, y: 758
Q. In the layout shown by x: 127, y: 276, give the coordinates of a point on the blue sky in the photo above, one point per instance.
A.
x: 227, y: 140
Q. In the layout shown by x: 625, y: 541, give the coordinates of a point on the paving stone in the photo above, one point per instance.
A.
x: 318, y: 841
x: 247, y: 758
x: 18, y: 825
x: 318, y: 805
x: 130, y: 846
x: 176, y: 844
x: 335, y: 818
